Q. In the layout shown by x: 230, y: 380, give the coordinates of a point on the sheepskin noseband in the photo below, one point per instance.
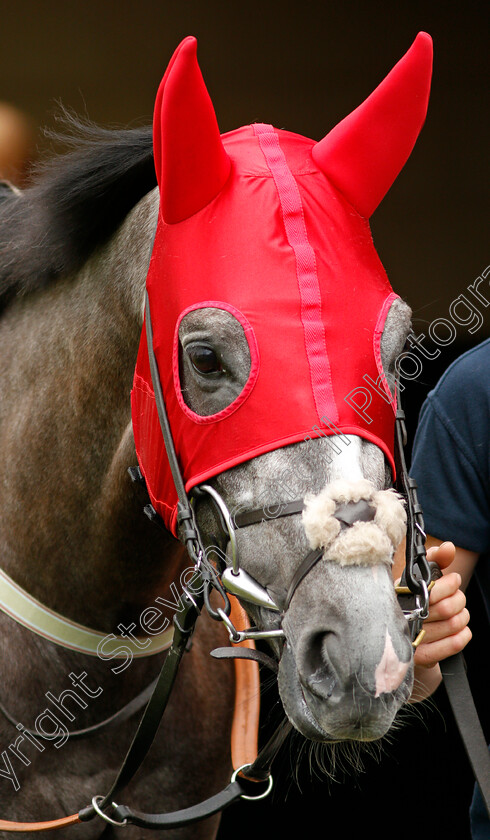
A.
x: 354, y: 523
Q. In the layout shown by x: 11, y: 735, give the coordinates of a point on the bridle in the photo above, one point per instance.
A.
x: 238, y: 582
x: 231, y: 579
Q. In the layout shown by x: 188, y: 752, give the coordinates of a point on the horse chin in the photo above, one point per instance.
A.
x: 366, y: 721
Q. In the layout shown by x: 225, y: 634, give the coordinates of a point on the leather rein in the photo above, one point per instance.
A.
x: 253, y: 779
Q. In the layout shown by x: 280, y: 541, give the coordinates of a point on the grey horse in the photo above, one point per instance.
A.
x: 75, y: 251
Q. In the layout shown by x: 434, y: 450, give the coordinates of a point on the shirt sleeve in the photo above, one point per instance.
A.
x: 450, y: 466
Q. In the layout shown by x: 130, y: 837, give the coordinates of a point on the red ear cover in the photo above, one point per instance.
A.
x: 364, y: 153
x: 190, y: 161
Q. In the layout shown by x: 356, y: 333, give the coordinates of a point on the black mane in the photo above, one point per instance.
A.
x: 76, y: 204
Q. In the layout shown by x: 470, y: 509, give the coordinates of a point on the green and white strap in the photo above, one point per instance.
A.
x: 28, y: 611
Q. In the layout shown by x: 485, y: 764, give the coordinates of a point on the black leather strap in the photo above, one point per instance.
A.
x: 135, y: 705
x: 349, y: 512
x: 160, y: 405
x: 246, y: 653
x: 263, y: 514
x: 185, y: 515
x: 261, y: 768
x: 184, y: 623
x: 466, y: 717
x: 187, y: 816
x: 416, y: 566
x: 258, y: 772
x: 310, y: 560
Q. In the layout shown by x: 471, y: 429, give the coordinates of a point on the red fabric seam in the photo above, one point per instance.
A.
x: 306, y: 270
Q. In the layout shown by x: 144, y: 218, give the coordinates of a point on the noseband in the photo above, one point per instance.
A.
x: 240, y: 583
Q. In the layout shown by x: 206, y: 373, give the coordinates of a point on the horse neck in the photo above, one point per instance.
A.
x: 71, y: 525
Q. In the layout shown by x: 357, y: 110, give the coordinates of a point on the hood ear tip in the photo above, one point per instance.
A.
x: 188, y: 45
x: 363, y: 154
x: 423, y: 44
x: 423, y: 36
x: 191, y: 163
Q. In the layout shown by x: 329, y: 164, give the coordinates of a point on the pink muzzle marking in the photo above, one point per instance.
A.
x: 390, y: 671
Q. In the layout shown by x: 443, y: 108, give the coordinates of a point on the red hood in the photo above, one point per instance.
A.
x: 268, y: 226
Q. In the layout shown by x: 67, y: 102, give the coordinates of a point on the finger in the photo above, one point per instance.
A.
x: 445, y: 587
x: 443, y: 554
x: 437, y: 630
x: 447, y: 608
x: 429, y: 654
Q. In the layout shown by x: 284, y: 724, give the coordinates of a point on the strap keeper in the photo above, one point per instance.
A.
x: 184, y: 513
x: 136, y: 475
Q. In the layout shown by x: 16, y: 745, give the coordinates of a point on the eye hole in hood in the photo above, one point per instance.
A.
x: 215, y: 360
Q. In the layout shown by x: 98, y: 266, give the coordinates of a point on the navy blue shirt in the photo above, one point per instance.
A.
x: 451, y: 459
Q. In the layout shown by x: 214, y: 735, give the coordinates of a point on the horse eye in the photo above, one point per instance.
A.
x: 204, y: 360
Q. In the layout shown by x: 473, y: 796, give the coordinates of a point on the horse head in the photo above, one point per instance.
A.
x: 270, y: 311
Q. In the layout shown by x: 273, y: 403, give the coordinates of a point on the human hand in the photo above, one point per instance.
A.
x: 447, y: 630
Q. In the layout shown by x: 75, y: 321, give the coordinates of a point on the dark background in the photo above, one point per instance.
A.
x: 303, y: 66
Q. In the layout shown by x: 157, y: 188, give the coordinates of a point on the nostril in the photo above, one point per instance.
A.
x: 318, y: 675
